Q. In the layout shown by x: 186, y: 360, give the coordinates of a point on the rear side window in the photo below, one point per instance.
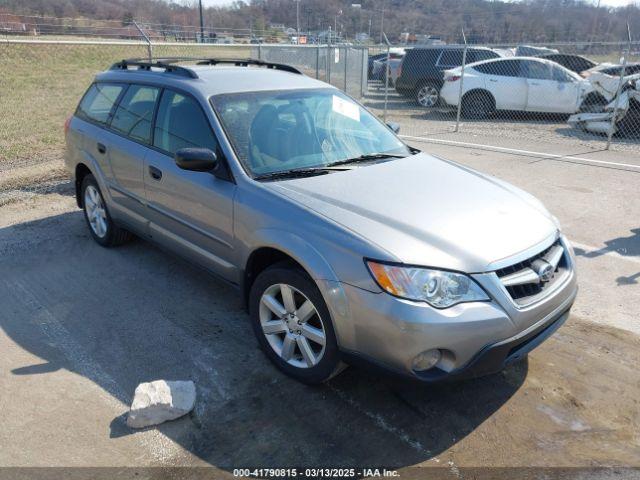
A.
x: 181, y: 123
x: 135, y: 112
x: 97, y: 103
x: 419, y: 56
x: 450, y: 58
x: 505, y: 68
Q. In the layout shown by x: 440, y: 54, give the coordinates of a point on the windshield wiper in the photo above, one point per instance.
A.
x: 366, y: 158
x: 294, y: 173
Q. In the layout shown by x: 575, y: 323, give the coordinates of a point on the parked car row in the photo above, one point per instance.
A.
x: 549, y: 82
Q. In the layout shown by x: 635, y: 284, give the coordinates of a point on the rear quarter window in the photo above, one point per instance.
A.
x: 450, y: 58
x: 98, y: 102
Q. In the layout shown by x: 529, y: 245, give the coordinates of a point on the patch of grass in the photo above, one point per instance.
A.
x: 41, y: 84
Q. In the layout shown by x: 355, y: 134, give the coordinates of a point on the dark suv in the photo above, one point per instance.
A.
x: 422, y: 70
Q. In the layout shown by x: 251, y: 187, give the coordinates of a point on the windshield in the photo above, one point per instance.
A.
x: 279, y: 131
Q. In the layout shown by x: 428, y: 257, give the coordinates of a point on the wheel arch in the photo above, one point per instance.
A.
x: 479, y: 91
x: 81, y: 171
x: 276, y: 246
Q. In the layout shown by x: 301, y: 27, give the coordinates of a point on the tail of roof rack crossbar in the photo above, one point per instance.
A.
x: 168, y: 64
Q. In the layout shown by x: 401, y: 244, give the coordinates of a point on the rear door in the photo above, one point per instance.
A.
x: 191, y: 212
x: 546, y: 91
x: 503, y: 80
x: 130, y: 138
x: 90, y: 136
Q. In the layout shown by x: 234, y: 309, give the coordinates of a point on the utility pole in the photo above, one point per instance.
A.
x: 297, y: 22
x: 201, y: 24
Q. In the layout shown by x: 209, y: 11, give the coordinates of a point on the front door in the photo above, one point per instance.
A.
x: 129, y: 140
x: 545, y: 92
x: 191, y: 212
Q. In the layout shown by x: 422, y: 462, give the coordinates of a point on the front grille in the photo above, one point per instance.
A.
x: 522, y: 279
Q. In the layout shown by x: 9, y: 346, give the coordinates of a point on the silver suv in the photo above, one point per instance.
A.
x: 347, y: 245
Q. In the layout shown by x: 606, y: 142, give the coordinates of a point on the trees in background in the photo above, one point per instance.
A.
x: 483, y: 20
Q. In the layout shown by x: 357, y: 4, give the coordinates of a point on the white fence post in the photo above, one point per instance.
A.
x: 386, y: 79
x: 612, y: 126
x: 346, y: 70
x: 147, y: 39
x: 460, y: 92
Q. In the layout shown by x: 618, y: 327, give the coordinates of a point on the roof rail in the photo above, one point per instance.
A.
x: 159, y: 63
x: 245, y: 62
x: 169, y: 64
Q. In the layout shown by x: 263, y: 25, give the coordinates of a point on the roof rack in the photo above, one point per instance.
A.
x: 245, y: 62
x: 168, y: 64
x: 159, y: 63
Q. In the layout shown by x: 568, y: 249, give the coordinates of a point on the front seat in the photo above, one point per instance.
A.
x: 264, y: 148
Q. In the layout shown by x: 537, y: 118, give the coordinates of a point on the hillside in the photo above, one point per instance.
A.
x: 483, y: 20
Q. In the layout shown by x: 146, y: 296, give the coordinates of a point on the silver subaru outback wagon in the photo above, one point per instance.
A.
x: 347, y: 245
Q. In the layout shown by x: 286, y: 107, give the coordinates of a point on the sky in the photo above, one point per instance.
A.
x: 610, y: 3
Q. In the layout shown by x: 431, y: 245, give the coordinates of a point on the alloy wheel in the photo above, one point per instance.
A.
x: 292, y: 325
x: 428, y: 96
x: 96, y: 213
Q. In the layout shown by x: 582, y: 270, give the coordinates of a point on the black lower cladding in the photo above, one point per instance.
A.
x: 494, y: 358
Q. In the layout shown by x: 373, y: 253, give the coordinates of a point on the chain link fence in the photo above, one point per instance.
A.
x: 562, y: 98
x: 42, y: 82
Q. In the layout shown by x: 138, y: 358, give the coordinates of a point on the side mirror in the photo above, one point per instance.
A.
x: 196, y: 159
x: 394, y: 126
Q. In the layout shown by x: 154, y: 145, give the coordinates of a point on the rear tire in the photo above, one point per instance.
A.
x: 102, y: 228
x: 428, y: 95
x: 478, y: 105
x: 293, y: 325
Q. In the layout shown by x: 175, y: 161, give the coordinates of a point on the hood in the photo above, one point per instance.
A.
x: 423, y: 210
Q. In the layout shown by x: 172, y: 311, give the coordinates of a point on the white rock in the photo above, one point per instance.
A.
x: 159, y: 401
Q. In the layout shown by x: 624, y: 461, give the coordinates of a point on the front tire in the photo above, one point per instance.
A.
x: 102, y: 228
x: 293, y: 325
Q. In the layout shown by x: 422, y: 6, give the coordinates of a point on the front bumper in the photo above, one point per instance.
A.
x: 480, y: 338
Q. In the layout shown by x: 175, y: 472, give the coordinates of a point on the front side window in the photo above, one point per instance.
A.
x: 135, y: 112
x: 559, y: 75
x: 536, y: 70
x: 181, y: 123
x: 283, y: 130
x: 97, y: 103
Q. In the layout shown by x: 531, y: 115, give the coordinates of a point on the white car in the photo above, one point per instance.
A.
x: 519, y: 83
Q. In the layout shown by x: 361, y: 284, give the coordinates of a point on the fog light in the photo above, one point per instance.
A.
x: 426, y: 360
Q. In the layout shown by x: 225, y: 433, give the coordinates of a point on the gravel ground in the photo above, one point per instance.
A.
x: 81, y: 326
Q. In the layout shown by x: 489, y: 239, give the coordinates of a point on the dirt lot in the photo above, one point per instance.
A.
x: 81, y: 326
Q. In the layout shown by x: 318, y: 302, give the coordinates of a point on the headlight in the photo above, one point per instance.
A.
x: 439, y: 288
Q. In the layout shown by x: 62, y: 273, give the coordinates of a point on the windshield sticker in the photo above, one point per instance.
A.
x: 346, y: 108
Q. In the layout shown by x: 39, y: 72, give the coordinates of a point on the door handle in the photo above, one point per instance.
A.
x: 493, y: 80
x: 155, y: 173
x: 102, y: 148
x: 535, y: 83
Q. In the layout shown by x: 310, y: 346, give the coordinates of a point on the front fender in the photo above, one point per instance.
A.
x: 318, y: 269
